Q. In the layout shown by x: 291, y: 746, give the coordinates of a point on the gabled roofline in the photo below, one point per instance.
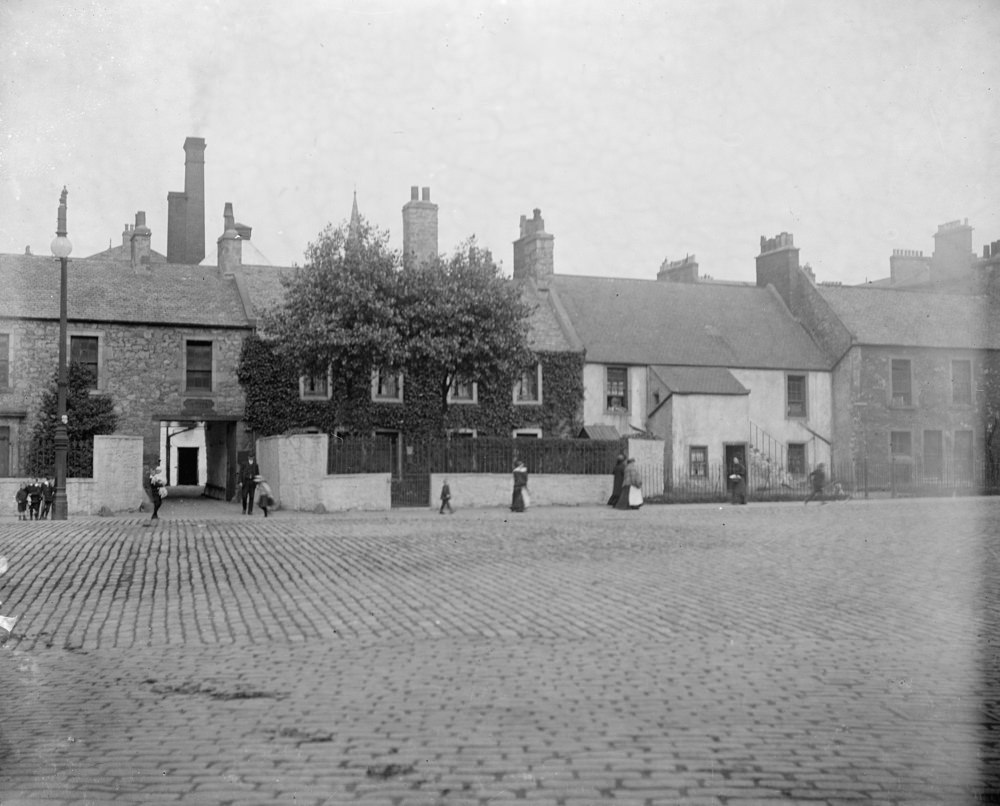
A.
x: 562, y: 317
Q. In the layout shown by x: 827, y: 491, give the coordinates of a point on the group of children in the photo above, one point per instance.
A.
x: 34, y: 499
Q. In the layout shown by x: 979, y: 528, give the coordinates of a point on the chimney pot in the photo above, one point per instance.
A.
x: 414, y: 193
x: 426, y: 195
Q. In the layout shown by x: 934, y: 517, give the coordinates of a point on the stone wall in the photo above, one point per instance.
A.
x: 469, y: 490
x: 295, y: 467
x: 932, y: 408
x: 116, y: 485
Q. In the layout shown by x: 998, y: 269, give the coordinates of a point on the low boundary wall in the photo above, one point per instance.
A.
x: 117, y: 484
x: 295, y: 468
x: 495, y: 489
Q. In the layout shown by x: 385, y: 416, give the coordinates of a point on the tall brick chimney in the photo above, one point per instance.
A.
x: 778, y: 265
x: 952, y: 249
x: 230, y: 244
x: 534, y: 251
x: 186, y: 211
x: 420, y: 228
x: 140, y: 242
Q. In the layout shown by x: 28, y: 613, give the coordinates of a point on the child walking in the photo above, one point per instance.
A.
x: 446, y: 499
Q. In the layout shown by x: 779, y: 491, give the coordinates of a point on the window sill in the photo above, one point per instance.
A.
x: 527, y: 402
x: 395, y: 400
x: 199, y: 392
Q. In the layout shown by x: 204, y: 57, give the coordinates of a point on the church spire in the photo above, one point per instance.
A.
x: 354, y: 228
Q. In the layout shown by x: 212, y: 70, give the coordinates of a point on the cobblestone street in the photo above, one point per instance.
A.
x: 705, y: 654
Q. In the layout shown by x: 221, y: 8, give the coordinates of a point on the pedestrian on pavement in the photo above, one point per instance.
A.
x: 48, y: 496
x: 817, y: 480
x: 157, y: 490
x: 520, y: 499
x: 631, y: 492
x: 738, y: 477
x: 265, y: 499
x: 34, y: 498
x: 248, y: 486
x: 21, y: 497
x: 446, y: 499
x: 618, y: 475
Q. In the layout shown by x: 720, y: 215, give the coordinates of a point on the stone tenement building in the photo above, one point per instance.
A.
x: 914, y: 376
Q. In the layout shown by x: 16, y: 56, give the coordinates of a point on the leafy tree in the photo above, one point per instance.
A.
x: 339, y: 309
x: 463, y: 321
x: 87, y: 415
x: 354, y: 307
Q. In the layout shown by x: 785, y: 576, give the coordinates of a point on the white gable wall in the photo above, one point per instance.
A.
x: 595, y: 399
x: 768, y: 408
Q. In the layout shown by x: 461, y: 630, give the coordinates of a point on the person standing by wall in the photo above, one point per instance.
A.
x: 248, y: 484
x: 631, y: 481
x: 519, y: 500
x: 48, y: 496
x: 618, y: 475
x: 738, y: 476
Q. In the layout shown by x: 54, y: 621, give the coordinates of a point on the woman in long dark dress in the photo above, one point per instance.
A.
x: 520, y: 484
x: 619, y: 476
x: 631, y: 479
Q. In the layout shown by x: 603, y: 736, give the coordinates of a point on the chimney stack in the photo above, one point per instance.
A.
x: 778, y: 265
x: 186, y: 211
x: 679, y: 271
x: 909, y: 266
x: 420, y: 228
x: 140, y: 242
x: 534, y: 251
x: 952, y: 249
x: 230, y: 245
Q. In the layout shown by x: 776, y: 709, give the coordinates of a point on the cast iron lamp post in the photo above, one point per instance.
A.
x: 61, y: 248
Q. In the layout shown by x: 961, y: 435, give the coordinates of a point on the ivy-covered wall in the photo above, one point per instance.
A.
x: 273, y: 404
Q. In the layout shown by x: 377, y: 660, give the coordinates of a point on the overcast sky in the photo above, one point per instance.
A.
x: 643, y: 130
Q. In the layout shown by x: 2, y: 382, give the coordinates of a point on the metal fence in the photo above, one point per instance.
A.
x: 857, y: 479
x: 472, y: 455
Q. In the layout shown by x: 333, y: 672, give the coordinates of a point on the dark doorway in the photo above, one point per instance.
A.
x: 187, y: 466
x: 4, y: 450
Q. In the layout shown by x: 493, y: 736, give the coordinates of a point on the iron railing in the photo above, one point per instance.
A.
x: 473, y: 455
x: 41, y: 461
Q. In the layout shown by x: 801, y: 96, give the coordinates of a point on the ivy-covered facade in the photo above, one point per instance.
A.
x: 278, y: 402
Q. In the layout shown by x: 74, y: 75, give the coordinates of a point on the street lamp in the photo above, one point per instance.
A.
x: 61, y: 248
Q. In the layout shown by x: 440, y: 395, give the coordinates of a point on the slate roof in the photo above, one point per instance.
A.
x: 896, y: 317
x: 112, y: 291
x: 651, y: 322
x: 263, y: 285
x: 699, y: 381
